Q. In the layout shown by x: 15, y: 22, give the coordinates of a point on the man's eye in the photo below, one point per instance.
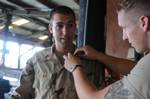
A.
x: 59, y: 26
x: 70, y: 25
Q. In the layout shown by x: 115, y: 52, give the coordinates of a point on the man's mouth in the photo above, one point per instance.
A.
x: 63, y: 38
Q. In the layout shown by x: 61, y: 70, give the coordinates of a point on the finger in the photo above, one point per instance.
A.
x: 80, y: 54
x: 65, y: 57
x: 79, y: 51
x: 69, y: 55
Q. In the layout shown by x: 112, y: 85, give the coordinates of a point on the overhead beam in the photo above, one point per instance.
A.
x: 48, y: 3
x: 31, y: 13
x: 23, y: 4
x: 27, y: 13
x: 4, y: 6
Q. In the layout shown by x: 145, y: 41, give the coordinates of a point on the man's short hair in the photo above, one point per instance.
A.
x: 127, y: 5
x: 134, y: 8
x: 62, y: 10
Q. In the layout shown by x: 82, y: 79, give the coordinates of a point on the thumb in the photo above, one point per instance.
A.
x: 69, y: 55
x: 65, y: 57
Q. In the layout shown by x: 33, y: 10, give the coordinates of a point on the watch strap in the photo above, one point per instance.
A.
x: 73, y: 67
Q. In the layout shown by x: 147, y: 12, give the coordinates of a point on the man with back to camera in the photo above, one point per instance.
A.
x: 44, y: 76
x: 134, y: 19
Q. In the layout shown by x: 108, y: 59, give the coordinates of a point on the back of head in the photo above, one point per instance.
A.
x: 128, y: 5
x: 136, y: 8
x: 62, y: 10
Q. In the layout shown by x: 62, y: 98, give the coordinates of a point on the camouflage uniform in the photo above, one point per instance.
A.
x: 135, y: 85
x: 45, y: 78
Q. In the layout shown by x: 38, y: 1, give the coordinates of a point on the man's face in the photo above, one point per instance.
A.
x: 63, y: 29
x: 132, y: 31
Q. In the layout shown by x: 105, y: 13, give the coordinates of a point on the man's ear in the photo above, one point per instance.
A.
x: 145, y: 23
x: 50, y: 28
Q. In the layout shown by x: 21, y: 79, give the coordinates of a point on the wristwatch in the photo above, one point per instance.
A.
x: 73, y: 67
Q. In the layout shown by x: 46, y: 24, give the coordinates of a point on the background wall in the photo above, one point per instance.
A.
x: 115, y: 46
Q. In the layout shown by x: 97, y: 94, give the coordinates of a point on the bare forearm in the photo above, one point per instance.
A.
x: 119, y: 65
x: 85, y: 89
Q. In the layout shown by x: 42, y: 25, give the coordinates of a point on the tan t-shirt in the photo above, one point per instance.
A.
x: 138, y: 81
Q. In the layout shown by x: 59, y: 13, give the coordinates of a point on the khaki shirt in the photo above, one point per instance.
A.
x: 44, y: 77
x: 138, y: 81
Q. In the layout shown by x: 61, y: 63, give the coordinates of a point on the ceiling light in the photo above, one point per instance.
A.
x: 2, y: 27
x: 43, y: 37
x: 10, y: 27
x: 20, y: 22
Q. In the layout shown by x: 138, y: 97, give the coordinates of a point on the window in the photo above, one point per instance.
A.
x: 26, y: 52
x: 11, y: 57
x: 1, y: 47
x: 17, y: 54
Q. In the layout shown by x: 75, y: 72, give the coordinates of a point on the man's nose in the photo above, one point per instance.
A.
x: 124, y: 37
x: 65, y: 29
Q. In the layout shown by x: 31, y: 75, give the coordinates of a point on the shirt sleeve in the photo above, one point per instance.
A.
x: 25, y: 89
x: 119, y: 91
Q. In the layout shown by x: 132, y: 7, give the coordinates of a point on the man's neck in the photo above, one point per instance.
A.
x: 64, y: 50
x: 60, y: 51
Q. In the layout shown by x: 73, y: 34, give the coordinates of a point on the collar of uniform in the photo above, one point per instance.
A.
x: 55, y: 56
x: 53, y: 48
x: 53, y: 53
